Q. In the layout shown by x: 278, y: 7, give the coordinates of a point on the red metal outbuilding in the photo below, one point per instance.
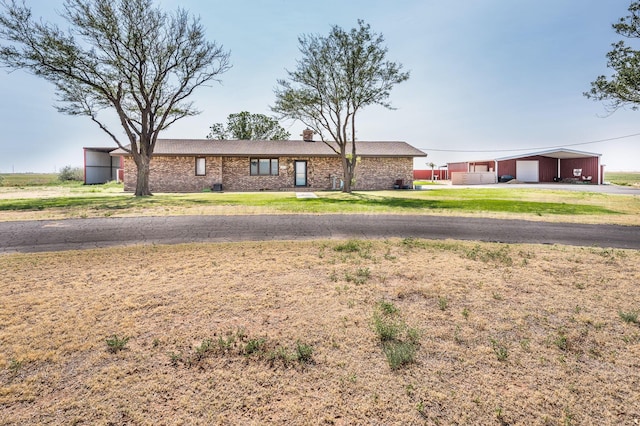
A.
x: 558, y: 165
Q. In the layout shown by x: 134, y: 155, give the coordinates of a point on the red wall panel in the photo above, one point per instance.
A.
x: 426, y: 174
x: 458, y: 167
x: 507, y: 167
x: 589, y: 167
x: 548, y: 167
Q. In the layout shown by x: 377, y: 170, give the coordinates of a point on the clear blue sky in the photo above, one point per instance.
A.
x: 485, y: 75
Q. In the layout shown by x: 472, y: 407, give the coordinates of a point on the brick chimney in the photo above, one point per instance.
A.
x: 307, y: 135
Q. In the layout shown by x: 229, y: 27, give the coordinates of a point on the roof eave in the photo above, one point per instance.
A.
x: 546, y: 153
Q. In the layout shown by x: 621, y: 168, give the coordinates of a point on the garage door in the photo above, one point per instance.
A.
x: 527, y: 171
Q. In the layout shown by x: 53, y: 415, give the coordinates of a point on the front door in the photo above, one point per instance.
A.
x: 301, y: 173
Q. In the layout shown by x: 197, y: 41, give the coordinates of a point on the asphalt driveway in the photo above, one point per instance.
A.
x: 603, y: 189
x: 35, y: 236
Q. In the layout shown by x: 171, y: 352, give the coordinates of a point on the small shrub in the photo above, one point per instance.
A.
x: 204, y: 347
x: 399, y: 353
x: 241, y: 333
x: 456, y: 335
x: 69, y: 173
x: 387, y: 307
x: 610, y: 255
x: 363, y: 273
x: 225, y: 344
x: 399, y: 342
x: 351, y: 246
x: 116, y: 344
x: 465, y: 313
x: 561, y: 341
x: 500, y: 349
x: 175, y: 358
x: 15, y: 366
x: 386, y: 328
x: 499, y: 256
x: 255, y: 346
x: 630, y: 317
x: 474, y: 252
x: 387, y: 255
x: 411, y: 242
x: 410, y: 390
x: 443, y: 303
x: 421, y: 411
x: 355, y: 246
x: 304, y: 352
x: 414, y: 335
x: 360, y: 277
x: 280, y: 353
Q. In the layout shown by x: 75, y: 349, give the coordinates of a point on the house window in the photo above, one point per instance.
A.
x: 201, y: 166
x: 264, y: 166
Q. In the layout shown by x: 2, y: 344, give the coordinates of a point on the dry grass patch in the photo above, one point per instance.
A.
x: 287, y: 332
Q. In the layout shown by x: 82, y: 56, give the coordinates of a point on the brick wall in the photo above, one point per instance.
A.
x: 381, y: 173
x: 236, y: 176
x: 177, y: 174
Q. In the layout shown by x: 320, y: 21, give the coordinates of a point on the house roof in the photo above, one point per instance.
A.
x: 99, y: 148
x: 561, y: 153
x: 246, y: 148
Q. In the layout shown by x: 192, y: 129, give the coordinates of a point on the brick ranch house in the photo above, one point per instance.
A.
x: 194, y: 165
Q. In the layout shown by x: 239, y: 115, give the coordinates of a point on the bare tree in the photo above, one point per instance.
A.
x: 124, y: 55
x: 338, y: 75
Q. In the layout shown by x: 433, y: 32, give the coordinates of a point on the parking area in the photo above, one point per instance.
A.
x: 605, y: 189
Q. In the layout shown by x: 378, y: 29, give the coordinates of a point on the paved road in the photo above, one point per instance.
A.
x: 34, y: 236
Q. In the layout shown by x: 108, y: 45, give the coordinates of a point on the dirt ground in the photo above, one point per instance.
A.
x: 287, y: 333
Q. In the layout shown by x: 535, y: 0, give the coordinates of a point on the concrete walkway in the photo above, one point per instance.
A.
x: 306, y: 195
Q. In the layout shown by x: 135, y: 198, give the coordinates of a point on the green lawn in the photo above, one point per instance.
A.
x: 28, y: 179
x: 528, y: 201
x: 55, y: 200
x: 623, y: 178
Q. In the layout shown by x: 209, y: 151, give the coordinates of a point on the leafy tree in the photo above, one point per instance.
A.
x: 124, y: 55
x: 69, y: 173
x: 623, y: 87
x: 338, y: 75
x: 433, y: 166
x: 247, y: 126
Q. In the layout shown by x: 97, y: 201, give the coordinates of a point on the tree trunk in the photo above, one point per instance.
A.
x: 346, y: 187
x: 347, y: 166
x: 142, y: 181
